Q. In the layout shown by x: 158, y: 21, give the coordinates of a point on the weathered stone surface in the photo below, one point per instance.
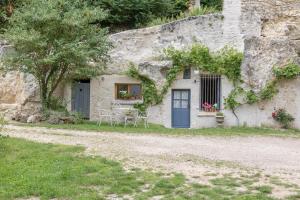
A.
x: 34, y: 118
x: 156, y: 70
x: 17, y: 90
x: 261, y: 55
x: 144, y: 45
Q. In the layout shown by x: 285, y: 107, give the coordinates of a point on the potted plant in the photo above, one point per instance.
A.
x: 123, y: 94
x: 220, y: 119
x: 207, y: 107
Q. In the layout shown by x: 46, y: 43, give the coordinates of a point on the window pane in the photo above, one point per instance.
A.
x: 187, y: 73
x: 185, y: 95
x: 122, y: 91
x: 177, y: 95
x: 176, y: 104
x: 136, y: 91
x: 184, y: 104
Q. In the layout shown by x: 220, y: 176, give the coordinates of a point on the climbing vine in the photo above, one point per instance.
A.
x: 149, y: 88
x: 286, y: 72
x: 225, y: 62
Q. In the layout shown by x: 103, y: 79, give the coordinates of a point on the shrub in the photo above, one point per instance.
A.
x: 283, y: 117
x: 58, y: 104
x: 76, y: 117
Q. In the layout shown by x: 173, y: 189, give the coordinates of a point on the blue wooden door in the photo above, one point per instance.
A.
x: 181, y: 108
x: 81, y: 98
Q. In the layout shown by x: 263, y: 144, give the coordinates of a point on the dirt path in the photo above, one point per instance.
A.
x: 198, y: 158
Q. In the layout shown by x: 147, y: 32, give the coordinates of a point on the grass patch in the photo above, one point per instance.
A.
x: 264, y: 189
x: 158, y: 129
x: 47, y: 171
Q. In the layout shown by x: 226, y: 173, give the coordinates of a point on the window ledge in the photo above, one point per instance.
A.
x: 128, y: 102
x: 207, y: 114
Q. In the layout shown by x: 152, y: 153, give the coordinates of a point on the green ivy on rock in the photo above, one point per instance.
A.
x: 289, y: 71
x: 226, y: 62
x: 286, y: 72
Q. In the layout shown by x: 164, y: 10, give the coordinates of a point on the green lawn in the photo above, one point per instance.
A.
x: 240, y: 131
x: 48, y: 171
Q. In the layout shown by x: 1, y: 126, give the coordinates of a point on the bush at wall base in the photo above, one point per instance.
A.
x: 283, y: 117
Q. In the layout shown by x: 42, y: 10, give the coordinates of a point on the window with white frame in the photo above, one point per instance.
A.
x: 210, y: 92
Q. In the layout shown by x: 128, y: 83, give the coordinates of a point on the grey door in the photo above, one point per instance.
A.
x: 181, y: 108
x: 81, y: 98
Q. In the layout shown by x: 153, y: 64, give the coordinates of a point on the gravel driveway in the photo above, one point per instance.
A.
x: 198, y: 157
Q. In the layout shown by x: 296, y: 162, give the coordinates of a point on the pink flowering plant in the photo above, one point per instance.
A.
x: 209, y: 107
x: 283, y: 117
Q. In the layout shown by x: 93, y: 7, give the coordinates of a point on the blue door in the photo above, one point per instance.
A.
x: 181, y: 108
x: 81, y: 98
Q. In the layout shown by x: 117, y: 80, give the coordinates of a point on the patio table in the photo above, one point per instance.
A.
x: 121, y: 112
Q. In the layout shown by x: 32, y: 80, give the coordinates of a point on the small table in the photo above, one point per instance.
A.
x: 126, y: 117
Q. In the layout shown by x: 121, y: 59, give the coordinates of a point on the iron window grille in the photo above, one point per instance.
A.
x: 210, y: 92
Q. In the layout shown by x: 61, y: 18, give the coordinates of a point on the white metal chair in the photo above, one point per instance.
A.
x: 105, y: 114
x: 143, y: 116
x: 131, y: 118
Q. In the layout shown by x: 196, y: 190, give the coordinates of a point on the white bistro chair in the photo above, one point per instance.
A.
x: 143, y: 116
x: 132, y: 118
x: 106, y: 114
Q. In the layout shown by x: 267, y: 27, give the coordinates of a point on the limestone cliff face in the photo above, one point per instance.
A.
x: 18, y: 91
x: 272, y: 38
x: 272, y: 32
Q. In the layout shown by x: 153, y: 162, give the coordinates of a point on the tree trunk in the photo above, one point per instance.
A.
x: 44, y: 96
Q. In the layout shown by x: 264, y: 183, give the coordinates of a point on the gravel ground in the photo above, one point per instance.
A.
x: 198, y: 157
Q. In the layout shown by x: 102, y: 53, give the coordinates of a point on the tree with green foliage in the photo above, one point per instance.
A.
x: 55, y: 41
x: 7, y: 8
x: 218, y: 4
x: 126, y: 14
